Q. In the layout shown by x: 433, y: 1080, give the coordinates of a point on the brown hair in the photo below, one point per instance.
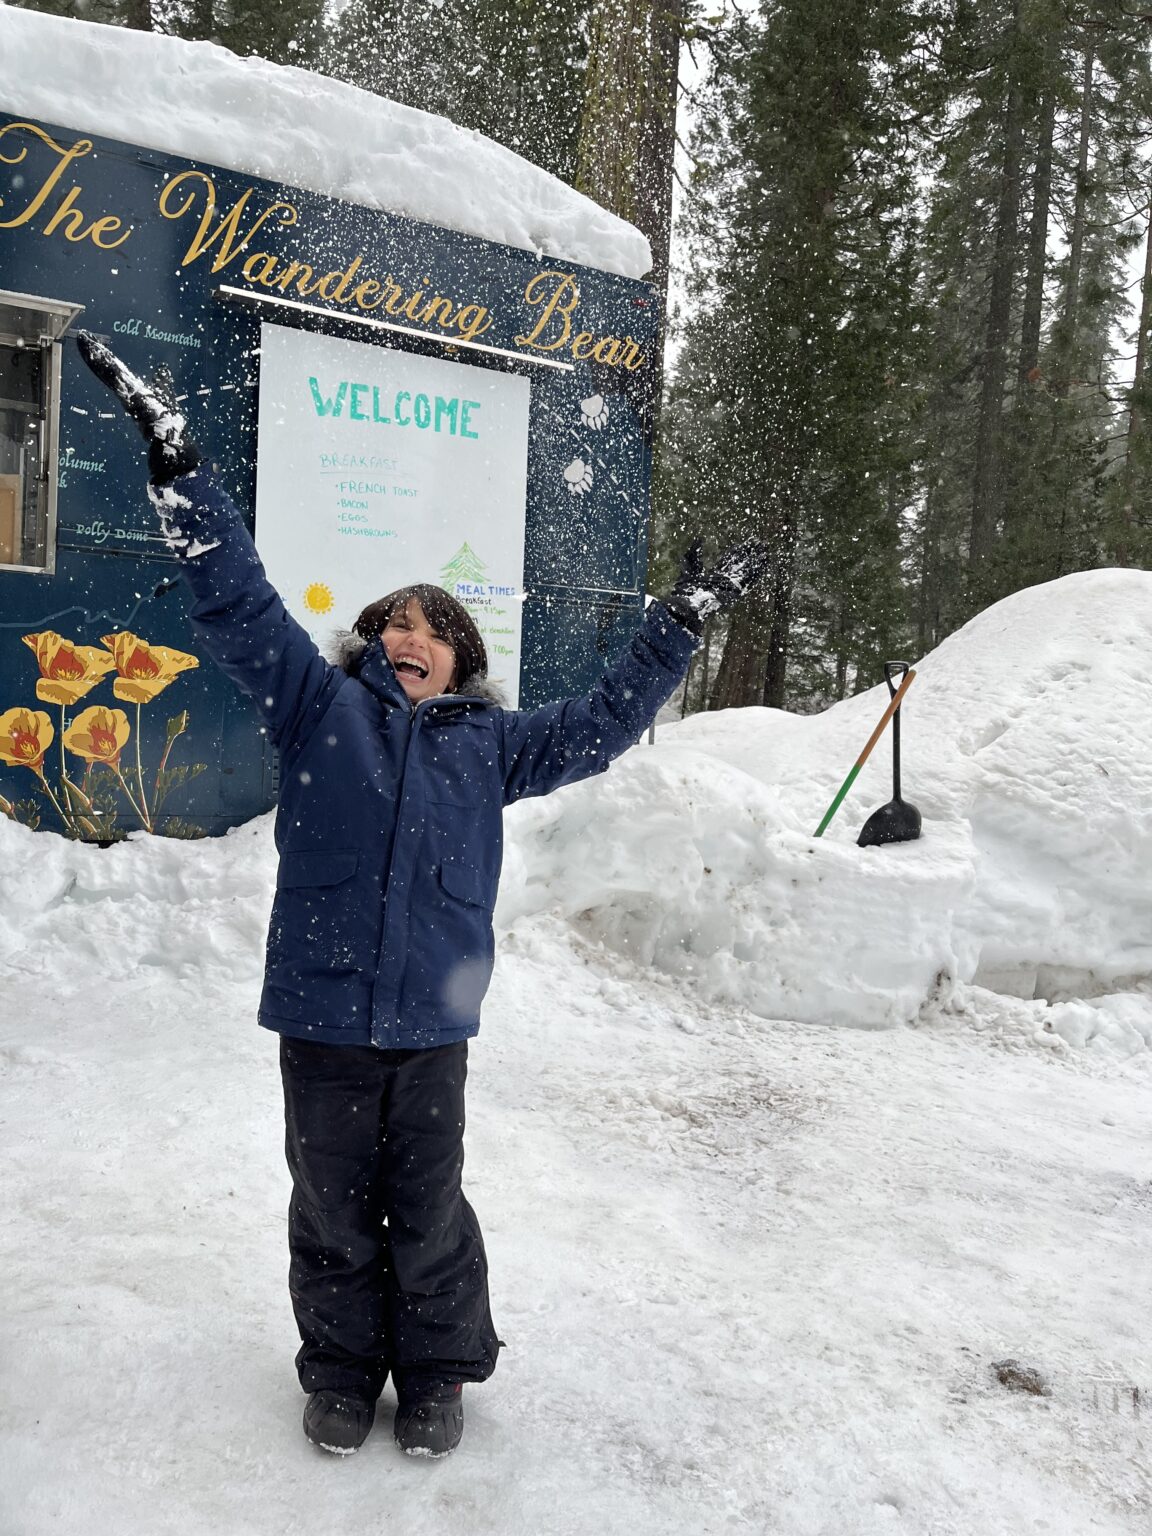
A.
x: 448, y: 617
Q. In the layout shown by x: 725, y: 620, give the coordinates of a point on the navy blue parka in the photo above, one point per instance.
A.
x: 389, y: 824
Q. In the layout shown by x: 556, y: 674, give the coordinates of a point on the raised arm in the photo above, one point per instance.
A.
x: 243, y: 622
x: 562, y: 743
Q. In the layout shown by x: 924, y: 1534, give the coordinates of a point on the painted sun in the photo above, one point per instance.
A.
x: 318, y: 597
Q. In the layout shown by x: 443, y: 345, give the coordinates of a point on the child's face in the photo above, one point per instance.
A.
x: 424, y: 661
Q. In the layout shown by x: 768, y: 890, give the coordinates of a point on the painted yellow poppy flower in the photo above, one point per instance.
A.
x: 25, y: 736
x: 144, y: 670
x: 67, y: 671
x: 98, y: 735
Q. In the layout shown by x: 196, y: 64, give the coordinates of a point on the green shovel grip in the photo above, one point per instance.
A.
x: 836, y: 804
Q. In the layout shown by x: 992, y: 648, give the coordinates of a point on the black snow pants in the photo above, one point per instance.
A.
x: 387, y: 1268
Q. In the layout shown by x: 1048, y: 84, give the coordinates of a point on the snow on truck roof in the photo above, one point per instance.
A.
x: 202, y: 102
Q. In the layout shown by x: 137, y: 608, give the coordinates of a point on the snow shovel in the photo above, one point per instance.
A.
x: 893, y: 706
x: 896, y: 822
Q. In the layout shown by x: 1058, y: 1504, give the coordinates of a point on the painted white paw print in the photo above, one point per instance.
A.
x: 595, y: 412
x: 579, y: 477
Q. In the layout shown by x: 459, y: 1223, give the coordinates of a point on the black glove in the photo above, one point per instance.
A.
x: 152, y: 406
x: 698, y: 593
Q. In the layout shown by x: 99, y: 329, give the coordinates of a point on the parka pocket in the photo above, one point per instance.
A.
x: 468, y: 884
x: 324, y: 925
x: 319, y: 867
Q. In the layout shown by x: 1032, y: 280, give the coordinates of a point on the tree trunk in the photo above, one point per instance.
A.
x: 929, y: 579
x: 1076, y: 243
x: 1135, y: 417
x: 780, y: 634
x: 987, y: 490
x: 137, y: 15
x: 628, y: 129
x: 657, y: 146
x: 1031, y: 320
x: 1135, y: 408
x: 1066, y: 329
x: 841, y: 652
x: 740, y: 677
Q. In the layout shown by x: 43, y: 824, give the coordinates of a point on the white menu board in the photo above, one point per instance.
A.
x: 378, y: 468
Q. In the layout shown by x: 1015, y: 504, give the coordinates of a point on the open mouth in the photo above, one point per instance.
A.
x: 408, y: 666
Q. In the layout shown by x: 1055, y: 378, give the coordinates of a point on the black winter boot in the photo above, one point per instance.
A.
x: 338, y: 1421
x: 430, y: 1419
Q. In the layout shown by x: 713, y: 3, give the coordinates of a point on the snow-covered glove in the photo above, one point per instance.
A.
x: 699, y: 593
x: 151, y: 403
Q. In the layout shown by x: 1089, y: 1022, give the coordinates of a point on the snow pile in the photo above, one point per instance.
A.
x: 302, y: 129
x: 74, y: 914
x: 1025, y: 748
x: 1024, y: 911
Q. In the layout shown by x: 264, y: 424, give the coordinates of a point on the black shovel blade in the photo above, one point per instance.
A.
x: 896, y: 822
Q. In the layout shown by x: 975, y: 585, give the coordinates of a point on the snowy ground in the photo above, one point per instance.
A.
x: 753, y: 1275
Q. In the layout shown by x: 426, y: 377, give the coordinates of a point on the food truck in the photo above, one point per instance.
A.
x: 388, y: 400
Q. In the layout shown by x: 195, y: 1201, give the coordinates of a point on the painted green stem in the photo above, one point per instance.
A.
x: 68, y: 820
x: 145, y: 822
x: 147, y: 816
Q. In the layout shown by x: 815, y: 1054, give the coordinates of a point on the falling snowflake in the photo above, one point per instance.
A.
x: 594, y: 412
x: 579, y: 477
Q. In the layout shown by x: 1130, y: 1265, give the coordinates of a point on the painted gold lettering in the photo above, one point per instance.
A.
x: 608, y: 350
x: 81, y: 148
x: 70, y: 219
x: 261, y: 268
x: 395, y: 300
x: 339, y: 294
x: 633, y: 357
x: 559, y: 303
x: 364, y: 293
x: 309, y: 285
x: 472, y: 321
x: 228, y: 233
x: 438, y: 311
x: 412, y: 308
x: 582, y: 345
x: 291, y: 272
x: 108, y: 225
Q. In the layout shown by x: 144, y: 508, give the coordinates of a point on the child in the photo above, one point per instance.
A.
x: 395, y: 768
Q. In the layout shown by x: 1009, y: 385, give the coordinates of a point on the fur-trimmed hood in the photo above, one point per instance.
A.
x: 346, y: 649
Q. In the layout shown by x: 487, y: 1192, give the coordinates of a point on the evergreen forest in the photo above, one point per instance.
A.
x: 911, y: 278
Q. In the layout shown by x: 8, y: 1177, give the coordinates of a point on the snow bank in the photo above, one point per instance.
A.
x: 302, y: 129
x: 1025, y: 909
x: 1026, y: 749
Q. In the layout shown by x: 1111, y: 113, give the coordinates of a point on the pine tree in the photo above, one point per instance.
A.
x: 802, y: 227
x: 1020, y: 415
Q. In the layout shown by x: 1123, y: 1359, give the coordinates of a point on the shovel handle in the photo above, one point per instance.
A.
x: 895, y: 669
x: 893, y: 706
